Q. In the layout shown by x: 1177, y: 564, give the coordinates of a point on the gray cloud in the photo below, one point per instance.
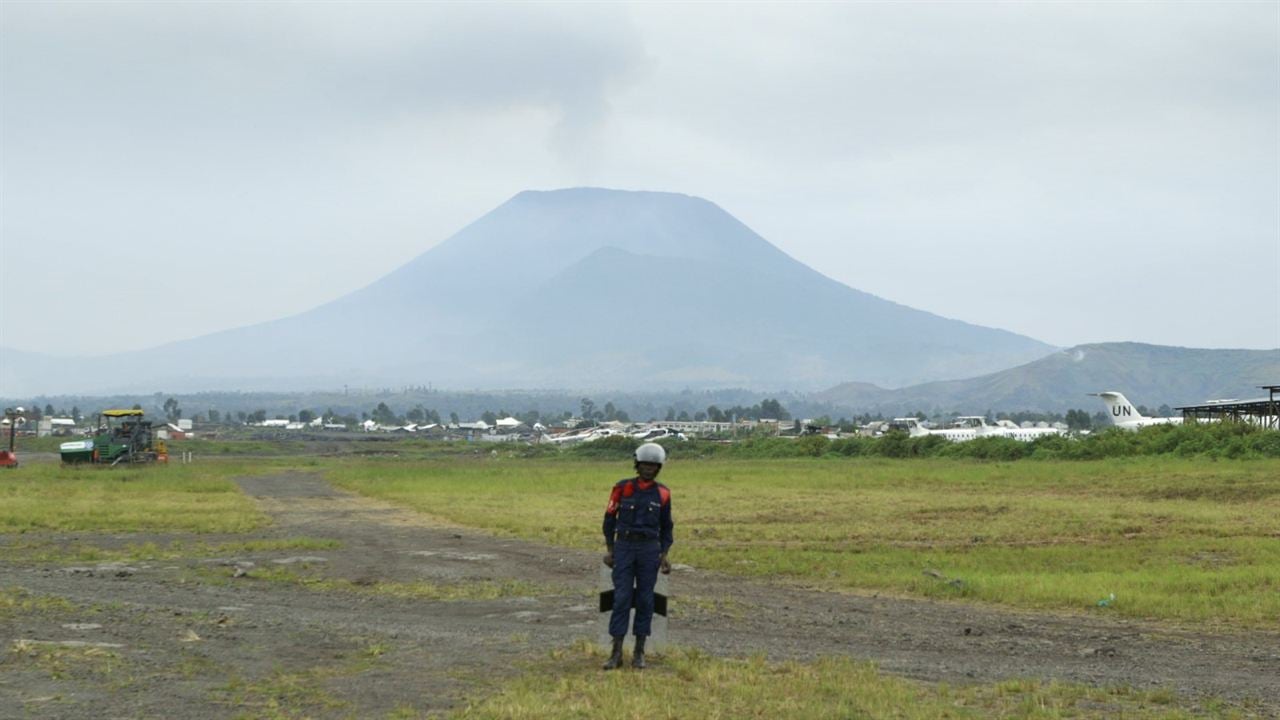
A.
x: 1007, y: 164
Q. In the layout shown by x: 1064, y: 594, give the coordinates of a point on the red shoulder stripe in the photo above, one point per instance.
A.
x: 614, y: 497
x: 665, y: 494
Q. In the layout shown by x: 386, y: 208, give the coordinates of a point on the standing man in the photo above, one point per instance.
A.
x: 637, y: 532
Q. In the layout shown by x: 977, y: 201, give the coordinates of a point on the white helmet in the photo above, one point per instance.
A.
x: 651, y: 453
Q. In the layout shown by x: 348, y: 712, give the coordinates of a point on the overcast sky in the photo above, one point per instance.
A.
x: 1073, y: 172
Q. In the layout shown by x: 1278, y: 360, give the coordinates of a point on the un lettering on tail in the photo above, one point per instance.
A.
x: 1125, y: 415
x: 1120, y: 407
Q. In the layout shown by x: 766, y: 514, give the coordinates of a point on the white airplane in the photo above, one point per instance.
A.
x: 1125, y: 415
x: 972, y: 427
x: 651, y: 434
x: 1027, y: 434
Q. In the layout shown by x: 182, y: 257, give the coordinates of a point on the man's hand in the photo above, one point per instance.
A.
x: 608, y: 558
x: 664, y: 565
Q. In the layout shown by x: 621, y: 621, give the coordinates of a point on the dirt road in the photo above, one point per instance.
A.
x: 188, y: 633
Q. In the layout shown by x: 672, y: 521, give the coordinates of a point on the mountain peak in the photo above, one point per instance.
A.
x: 599, y: 194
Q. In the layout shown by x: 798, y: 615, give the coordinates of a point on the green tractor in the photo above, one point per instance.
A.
x: 123, y: 437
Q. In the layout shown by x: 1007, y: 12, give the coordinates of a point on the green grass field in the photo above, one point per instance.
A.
x: 1184, y: 540
x: 159, y: 498
x: 1177, y: 540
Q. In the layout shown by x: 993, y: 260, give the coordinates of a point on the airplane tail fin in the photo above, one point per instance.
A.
x: 911, y: 425
x: 1121, y: 409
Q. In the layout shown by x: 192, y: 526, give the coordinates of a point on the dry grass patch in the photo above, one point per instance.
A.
x: 691, y: 684
x: 312, y: 578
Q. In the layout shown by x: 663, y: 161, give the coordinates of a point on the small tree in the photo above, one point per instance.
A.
x: 1079, y: 420
x: 306, y: 416
x: 771, y: 408
x: 172, y: 411
x: 214, y: 416
x: 383, y: 415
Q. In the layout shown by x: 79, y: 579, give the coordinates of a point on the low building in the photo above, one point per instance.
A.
x: 169, y: 431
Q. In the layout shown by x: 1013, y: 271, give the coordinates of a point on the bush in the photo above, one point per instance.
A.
x: 928, y: 446
x: 992, y: 448
x: 614, y: 447
x: 893, y: 445
x: 812, y: 445
x: 1265, y: 444
x: 1219, y: 440
x: 1225, y: 440
x: 852, y: 446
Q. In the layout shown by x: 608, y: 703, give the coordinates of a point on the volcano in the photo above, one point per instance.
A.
x: 583, y: 288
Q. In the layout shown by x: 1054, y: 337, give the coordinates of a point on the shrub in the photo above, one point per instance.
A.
x: 614, y: 447
x: 894, y: 445
x: 814, y: 445
x: 1265, y: 444
x: 928, y: 446
x: 1224, y: 440
x: 991, y: 448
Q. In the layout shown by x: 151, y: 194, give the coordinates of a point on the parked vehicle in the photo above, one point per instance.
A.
x: 122, y: 436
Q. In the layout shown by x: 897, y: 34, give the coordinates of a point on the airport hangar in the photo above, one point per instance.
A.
x: 1263, y: 411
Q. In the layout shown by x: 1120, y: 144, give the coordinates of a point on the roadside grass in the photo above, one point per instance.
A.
x: 691, y: 684
x: 284, y: 695
x: 308, y: 578
x: 87, y: 670
x: 289, y: 694
x: 1174, y: 539
x: 17, y: 602
x: 62, y: 662
x: 48, y: 551
x: 197, y: 498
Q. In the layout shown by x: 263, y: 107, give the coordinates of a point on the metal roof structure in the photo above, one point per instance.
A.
x: 1261, y: 411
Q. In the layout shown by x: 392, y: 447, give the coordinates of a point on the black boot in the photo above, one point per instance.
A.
x: 615, y: 660
x: 637, y: 655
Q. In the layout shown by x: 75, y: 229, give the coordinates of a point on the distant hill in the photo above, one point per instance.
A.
x: 579, y: 288
x: 1151, y: 375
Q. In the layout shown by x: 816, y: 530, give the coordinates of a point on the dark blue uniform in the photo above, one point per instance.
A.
x: 638, y: 530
